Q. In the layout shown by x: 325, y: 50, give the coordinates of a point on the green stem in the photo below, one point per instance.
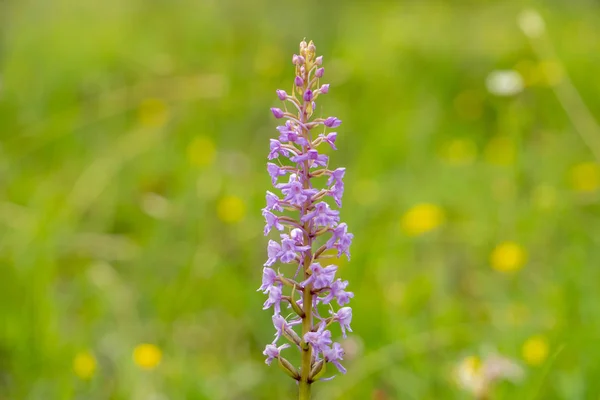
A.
x: 304, y: 391
x: 306, y: 353
x: 304, y: 384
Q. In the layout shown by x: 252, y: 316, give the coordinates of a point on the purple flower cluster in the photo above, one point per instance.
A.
x: 309, y: 229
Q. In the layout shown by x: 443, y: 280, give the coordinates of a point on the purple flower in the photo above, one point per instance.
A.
x: 337, y: 191
x: 321, y: 277
x: 330, y: 138
x: 272, y: 221
x: 302, y: 214
x: 338, y: 293
x: 275, y: 172
x: 319, y: 339
x: 297, y: 60
x: 294, y: 192
x: 281, y: 94
x: 336, y: 177
x: 277, y: 112
x: 298, y: 235
x: 281, y: 325
x: 277, y: 150
x: 290, y: 249
x: 343, y: 317
x: 288, y: 134
x: 334, y: 355
x: 322, y: 215
x: 308, y: 95
x: 272, y: 352
x: 332, y: 122
x: 273, y: 202
x: 311, y: 155
x: 340, y: 240
x: 273, y: 252
x: 269, y: 279
x: 274, y: 299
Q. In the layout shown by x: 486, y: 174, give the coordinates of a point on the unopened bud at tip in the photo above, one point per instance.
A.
x: 281, y: 94
x: 277, y: 112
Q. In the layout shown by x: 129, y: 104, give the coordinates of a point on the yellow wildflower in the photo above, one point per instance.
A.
x: 147, y: 356
x: 84, y: 365
x: 422, y: 218
x: 535, y: 350
x: 585, y: 177
x: 508, y: 257
x: 231, y: 209
x: 153, y: 113
x: 201, y: 151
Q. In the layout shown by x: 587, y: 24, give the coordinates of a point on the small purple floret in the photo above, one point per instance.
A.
x: 332, y: 122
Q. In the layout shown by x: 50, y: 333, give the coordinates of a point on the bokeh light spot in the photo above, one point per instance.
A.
x: 535, y: 350
x: 585, y: 177
x: 147, y: 356
x: 231, y: 209
x: 508, y: 257
x: 201, y: 151
x: 422, y: 218
x: 84, y: 365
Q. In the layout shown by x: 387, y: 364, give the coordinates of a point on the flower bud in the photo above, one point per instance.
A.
x: 317, y: 370
x: 288, y: 368
x: 281, y: 94
x: 332, y: 122
x: 308, y: 95
x: 325, y: 88
x: 277, y: 112
x: 297, y: 60
x: 319, y: 60
x: 299, y: 81
x: 319, y: 72
x: 292, y: 336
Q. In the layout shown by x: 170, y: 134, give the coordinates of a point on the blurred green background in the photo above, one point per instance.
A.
x: 133, y: 146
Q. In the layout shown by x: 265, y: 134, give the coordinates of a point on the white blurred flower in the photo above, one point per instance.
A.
x: 469, y: 377
x: 496, y: 368
x: 477, y: 376
x: 504, y: 82
x: 531, y: 23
